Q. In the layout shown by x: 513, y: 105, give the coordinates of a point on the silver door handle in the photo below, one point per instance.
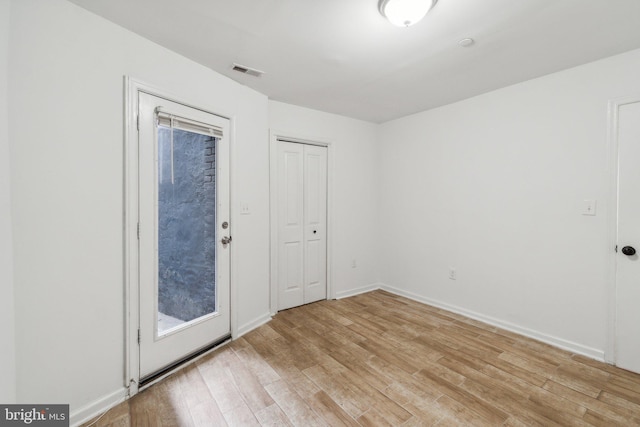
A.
x: 226, y: 240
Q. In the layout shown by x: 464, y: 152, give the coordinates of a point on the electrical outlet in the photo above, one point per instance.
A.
x: 452, y: 273
x: 354, y: 263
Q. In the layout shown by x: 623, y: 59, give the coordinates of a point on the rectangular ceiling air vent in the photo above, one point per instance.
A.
x: 247, y: 70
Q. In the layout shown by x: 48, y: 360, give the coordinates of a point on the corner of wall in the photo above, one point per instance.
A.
x: 357, y: 291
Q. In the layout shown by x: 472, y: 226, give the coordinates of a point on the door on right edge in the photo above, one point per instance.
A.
x: 302, y: 224
x: 627, y: 338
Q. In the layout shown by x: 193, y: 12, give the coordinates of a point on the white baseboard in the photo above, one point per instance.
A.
x: 97, y: 407
x: 107, y: 402
x: 549, y: 339
x: 258, y: 321
x: 357, y: 291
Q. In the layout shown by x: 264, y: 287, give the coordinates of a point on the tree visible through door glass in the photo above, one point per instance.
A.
x: 186, y: 227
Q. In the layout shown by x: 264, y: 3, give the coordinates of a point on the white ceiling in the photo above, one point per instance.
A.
x: 342, y: 56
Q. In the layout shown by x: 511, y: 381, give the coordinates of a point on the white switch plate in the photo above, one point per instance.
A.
x: 244, y: 208
x: 589, y: 207
x: 452, y: 273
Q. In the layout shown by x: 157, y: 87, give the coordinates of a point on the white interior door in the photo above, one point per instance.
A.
x: 184, y: 257
x: 302, y: 224
x: 627, y: 339
x: 315, y: 223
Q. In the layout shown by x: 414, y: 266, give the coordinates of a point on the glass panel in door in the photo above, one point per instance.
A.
x: 186, y: 228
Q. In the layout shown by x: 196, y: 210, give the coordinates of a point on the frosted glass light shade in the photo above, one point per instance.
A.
x: 405, y: 13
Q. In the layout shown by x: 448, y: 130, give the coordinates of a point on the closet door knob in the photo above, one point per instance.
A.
x: 629, y: 250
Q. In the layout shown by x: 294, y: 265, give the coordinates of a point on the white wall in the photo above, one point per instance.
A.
x: 66, y: 115
x: 7, y: 337
x: 494, y: 186
x: 355, y: 190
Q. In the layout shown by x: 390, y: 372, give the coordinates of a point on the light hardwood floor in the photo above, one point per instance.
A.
x: 377, y: 360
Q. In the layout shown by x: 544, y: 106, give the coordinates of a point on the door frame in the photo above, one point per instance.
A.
x: 612, y: 220
x: 131, y: 252
x: 274, y: 137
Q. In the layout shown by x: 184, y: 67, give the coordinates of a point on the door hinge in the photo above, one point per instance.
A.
x: 138, y: 336
x: 138, y: 230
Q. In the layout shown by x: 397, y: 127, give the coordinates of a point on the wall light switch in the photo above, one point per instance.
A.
x: 589, y: 207
x: 244, y: 208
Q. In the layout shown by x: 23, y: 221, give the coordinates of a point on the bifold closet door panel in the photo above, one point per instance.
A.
x: 290, y: 225
x: 315, y: 220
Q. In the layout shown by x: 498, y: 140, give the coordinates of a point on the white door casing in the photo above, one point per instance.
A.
x: 627, y: 267
x: 159, y: 351
x: 301, y: 223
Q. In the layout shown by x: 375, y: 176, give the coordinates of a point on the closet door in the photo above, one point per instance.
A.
x: 302, y: 219
x: 315, y: 223
x: 290, y: 225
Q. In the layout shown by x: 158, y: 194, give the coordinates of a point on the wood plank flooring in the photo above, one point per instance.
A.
x: 378, y: 359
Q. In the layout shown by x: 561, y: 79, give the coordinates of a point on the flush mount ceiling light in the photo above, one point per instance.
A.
x: 405, y: 13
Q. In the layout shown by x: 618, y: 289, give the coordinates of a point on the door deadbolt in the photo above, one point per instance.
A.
x: 225, y: 225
